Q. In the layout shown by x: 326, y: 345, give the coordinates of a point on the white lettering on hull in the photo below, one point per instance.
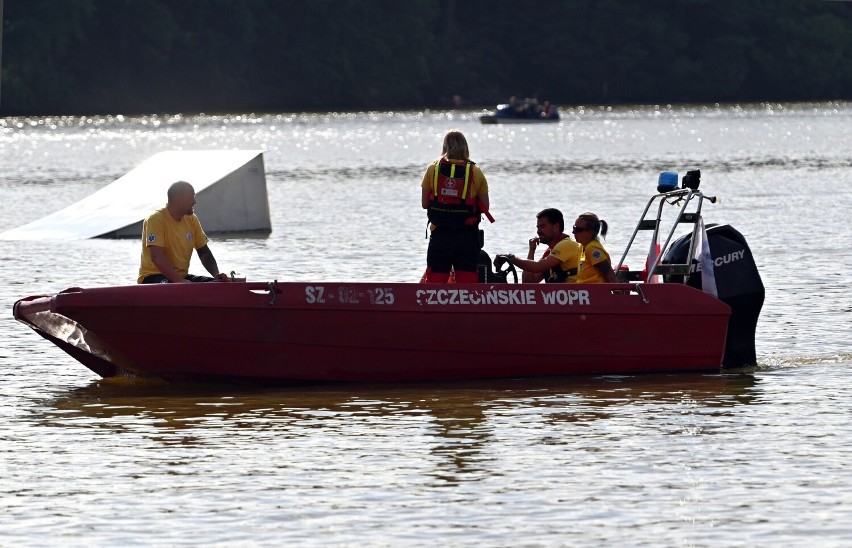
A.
x: 505, y: 297
x: 316, y: 294
x: 354, y: 295
x: 566, y: 297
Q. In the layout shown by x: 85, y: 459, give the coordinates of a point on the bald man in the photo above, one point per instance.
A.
x: 168, y: 237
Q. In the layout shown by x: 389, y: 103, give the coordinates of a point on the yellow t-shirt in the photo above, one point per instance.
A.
x: 594, y: 253
x: 177, y: 238
x: 568, y: 253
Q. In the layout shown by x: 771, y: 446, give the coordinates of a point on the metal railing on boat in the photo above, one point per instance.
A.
x: 682, y: 197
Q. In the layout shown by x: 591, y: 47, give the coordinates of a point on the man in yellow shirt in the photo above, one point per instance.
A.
x: 560, y: 261
x: 169, y: 236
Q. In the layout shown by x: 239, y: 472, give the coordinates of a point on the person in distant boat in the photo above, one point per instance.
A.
x: 561, y: 259
x: 517, y: 105
x: 454, y: 194
x: 596, y: 266
x: 169, y: 236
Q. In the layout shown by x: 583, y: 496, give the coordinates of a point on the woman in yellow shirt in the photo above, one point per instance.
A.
x: 454, y: 194
x: 595, y: 264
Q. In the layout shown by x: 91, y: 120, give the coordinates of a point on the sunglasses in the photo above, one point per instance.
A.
x: 576, y: 228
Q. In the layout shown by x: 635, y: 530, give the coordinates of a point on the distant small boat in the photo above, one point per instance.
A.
x: 524, y: 112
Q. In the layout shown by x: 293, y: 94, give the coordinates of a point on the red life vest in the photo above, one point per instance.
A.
x: 452, y: 203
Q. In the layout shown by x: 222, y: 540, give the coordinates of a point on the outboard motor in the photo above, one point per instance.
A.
x: 738, y: 285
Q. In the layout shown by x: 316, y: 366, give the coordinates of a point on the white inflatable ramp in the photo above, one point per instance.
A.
x: 230, y: 189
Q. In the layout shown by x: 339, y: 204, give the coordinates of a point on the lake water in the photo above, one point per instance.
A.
x: 754, y: 458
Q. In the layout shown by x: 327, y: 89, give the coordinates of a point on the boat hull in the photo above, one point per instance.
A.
x: 364, y: 332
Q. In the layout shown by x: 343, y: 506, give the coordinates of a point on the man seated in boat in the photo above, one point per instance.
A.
x: 560, y: 261
x: 169, y: 236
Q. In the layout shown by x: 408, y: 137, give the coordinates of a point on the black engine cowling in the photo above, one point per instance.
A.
x: 738, y: 285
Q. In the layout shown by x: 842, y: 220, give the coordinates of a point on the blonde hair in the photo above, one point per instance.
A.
x: 455, y: 146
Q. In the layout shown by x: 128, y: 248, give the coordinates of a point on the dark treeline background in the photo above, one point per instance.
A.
x: 145, y: 56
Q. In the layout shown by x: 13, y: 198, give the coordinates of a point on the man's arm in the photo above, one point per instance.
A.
x: 209, y: 262
x: 535, y: 268
x: 531, y: 277
x: 158, y: 256
x: 538, y: 267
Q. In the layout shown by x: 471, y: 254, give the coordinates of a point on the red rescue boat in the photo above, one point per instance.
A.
x: 368, y: 332
x: 296, y: 332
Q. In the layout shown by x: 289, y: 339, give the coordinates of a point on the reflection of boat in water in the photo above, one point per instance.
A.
x: 349, y: 332
x: 460, y: 425
x: 522, y: 112
x: 179, y: 406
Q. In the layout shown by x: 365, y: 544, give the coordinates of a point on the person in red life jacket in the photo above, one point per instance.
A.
x: 561, y: 259
x: 596, y: 266
x: 169, y: 235
x: 454, y: 193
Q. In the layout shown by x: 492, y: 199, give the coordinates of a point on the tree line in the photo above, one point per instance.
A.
x: 148, y: 56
